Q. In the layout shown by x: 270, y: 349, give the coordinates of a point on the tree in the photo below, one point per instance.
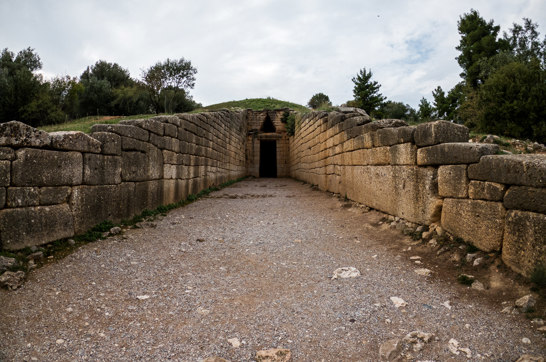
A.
x: 513, y: 103
x: 396, y: 110
x: 425, y: 110
x: 366, y: 92
x: 478, y: 41
x: 19, y: 84
x: 177, y: 75
x: 111, y: 72
x: 319, y: 100
x: 441, y: 103
x: 524, y: 42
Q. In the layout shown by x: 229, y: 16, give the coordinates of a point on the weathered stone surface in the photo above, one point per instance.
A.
x: 524, y: 245
x: 110, y: 142
x: 452, y: 181
x: 12, y: 280
x: 174, y: 191
x: 171, y: 130
x: 54, y: 195
x: 7, y: 153
x: 394, y: 136
x: 18, y: 134
x: 524, y: 170
x: 478, y: 222
x: 409, y: 192
x: 23, y: 196
x: 92, y: 205
x: 101, y: 169
x: 74, y: 141
x: 25, y: 227
x: 382, y: 123
x: 5, y: 174
x: 454, y: 153
x: 35, y: 167
x: 151, y: 125
x: 131, y: 144
x: 433, y: 133
x: 403, y: 154
x: 481, y: 190
x: 138, y: 166
x: 274, y: 355
x: 122, y: 130
x: 6, y: 263
x: 390, y: 349
x: 526, y: 198
x: 148, y: 195
x: 2, y: 197
x: 373, y: 156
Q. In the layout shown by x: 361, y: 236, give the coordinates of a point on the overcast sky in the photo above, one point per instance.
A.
x: 287, y: 49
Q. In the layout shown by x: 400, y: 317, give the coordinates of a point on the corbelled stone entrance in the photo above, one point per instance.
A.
x: 267, y: 144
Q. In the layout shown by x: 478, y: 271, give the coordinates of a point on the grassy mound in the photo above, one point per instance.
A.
x: 256, y: 104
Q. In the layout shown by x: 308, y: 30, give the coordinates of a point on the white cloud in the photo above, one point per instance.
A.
x: 256, y: 48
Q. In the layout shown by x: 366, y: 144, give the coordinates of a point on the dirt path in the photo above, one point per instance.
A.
x: 253, y: 262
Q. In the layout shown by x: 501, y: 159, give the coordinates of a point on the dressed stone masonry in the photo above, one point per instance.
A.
x: 57, y: 185
x: 429, y: 173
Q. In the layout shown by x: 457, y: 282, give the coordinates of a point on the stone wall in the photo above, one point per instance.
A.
x: 57, y: 185
x: 429, y: 174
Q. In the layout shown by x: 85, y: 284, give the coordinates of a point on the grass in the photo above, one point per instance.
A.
x: 84, y: 124
x: 254, y: 104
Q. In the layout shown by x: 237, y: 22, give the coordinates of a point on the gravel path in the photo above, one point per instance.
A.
x: 252, y: 262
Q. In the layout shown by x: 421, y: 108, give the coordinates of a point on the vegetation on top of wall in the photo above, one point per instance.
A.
x: 84, y: 124
x: 256, y: 104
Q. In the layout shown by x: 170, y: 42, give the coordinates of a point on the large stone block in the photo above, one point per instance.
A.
x: 7, y: 153
x: 151, y: 125
x: 372, y: 156
x: 131, y: 144
x: 174, y: 191
x: 35, y: 167
x: 403, y: 154
x: 433, y: 133
x: 17, y: 134
x: 526, y: 198
x: 92, y: 205
x: 54, y: 195
x: 139, y: 166
x: 74, y: 141
x: 5, y: 174
x: 524, y: 245
x: 478, y: 222
x: 452, y: 181
x: 148, y: 195
x: 101, y: 169
x: 122, y: 130
x: 409, y: 192
x: 382, y: 123
x: 394, y: 136
x: 454, y: 153
x: 2, y: 197
x: 23, y: 196
x: 171, y: 130
x: 25, y: 227
x: 110, y: 142
x: 524, y: 170
x: 482, y: 190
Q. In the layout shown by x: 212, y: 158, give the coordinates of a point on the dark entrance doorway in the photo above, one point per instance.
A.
x: 268, y: 158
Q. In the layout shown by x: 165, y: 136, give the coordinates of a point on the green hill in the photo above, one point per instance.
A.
x: 255, y: 104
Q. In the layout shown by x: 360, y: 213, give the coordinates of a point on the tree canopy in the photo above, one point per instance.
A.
x: 318, y: 100
x: 366, y: 92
